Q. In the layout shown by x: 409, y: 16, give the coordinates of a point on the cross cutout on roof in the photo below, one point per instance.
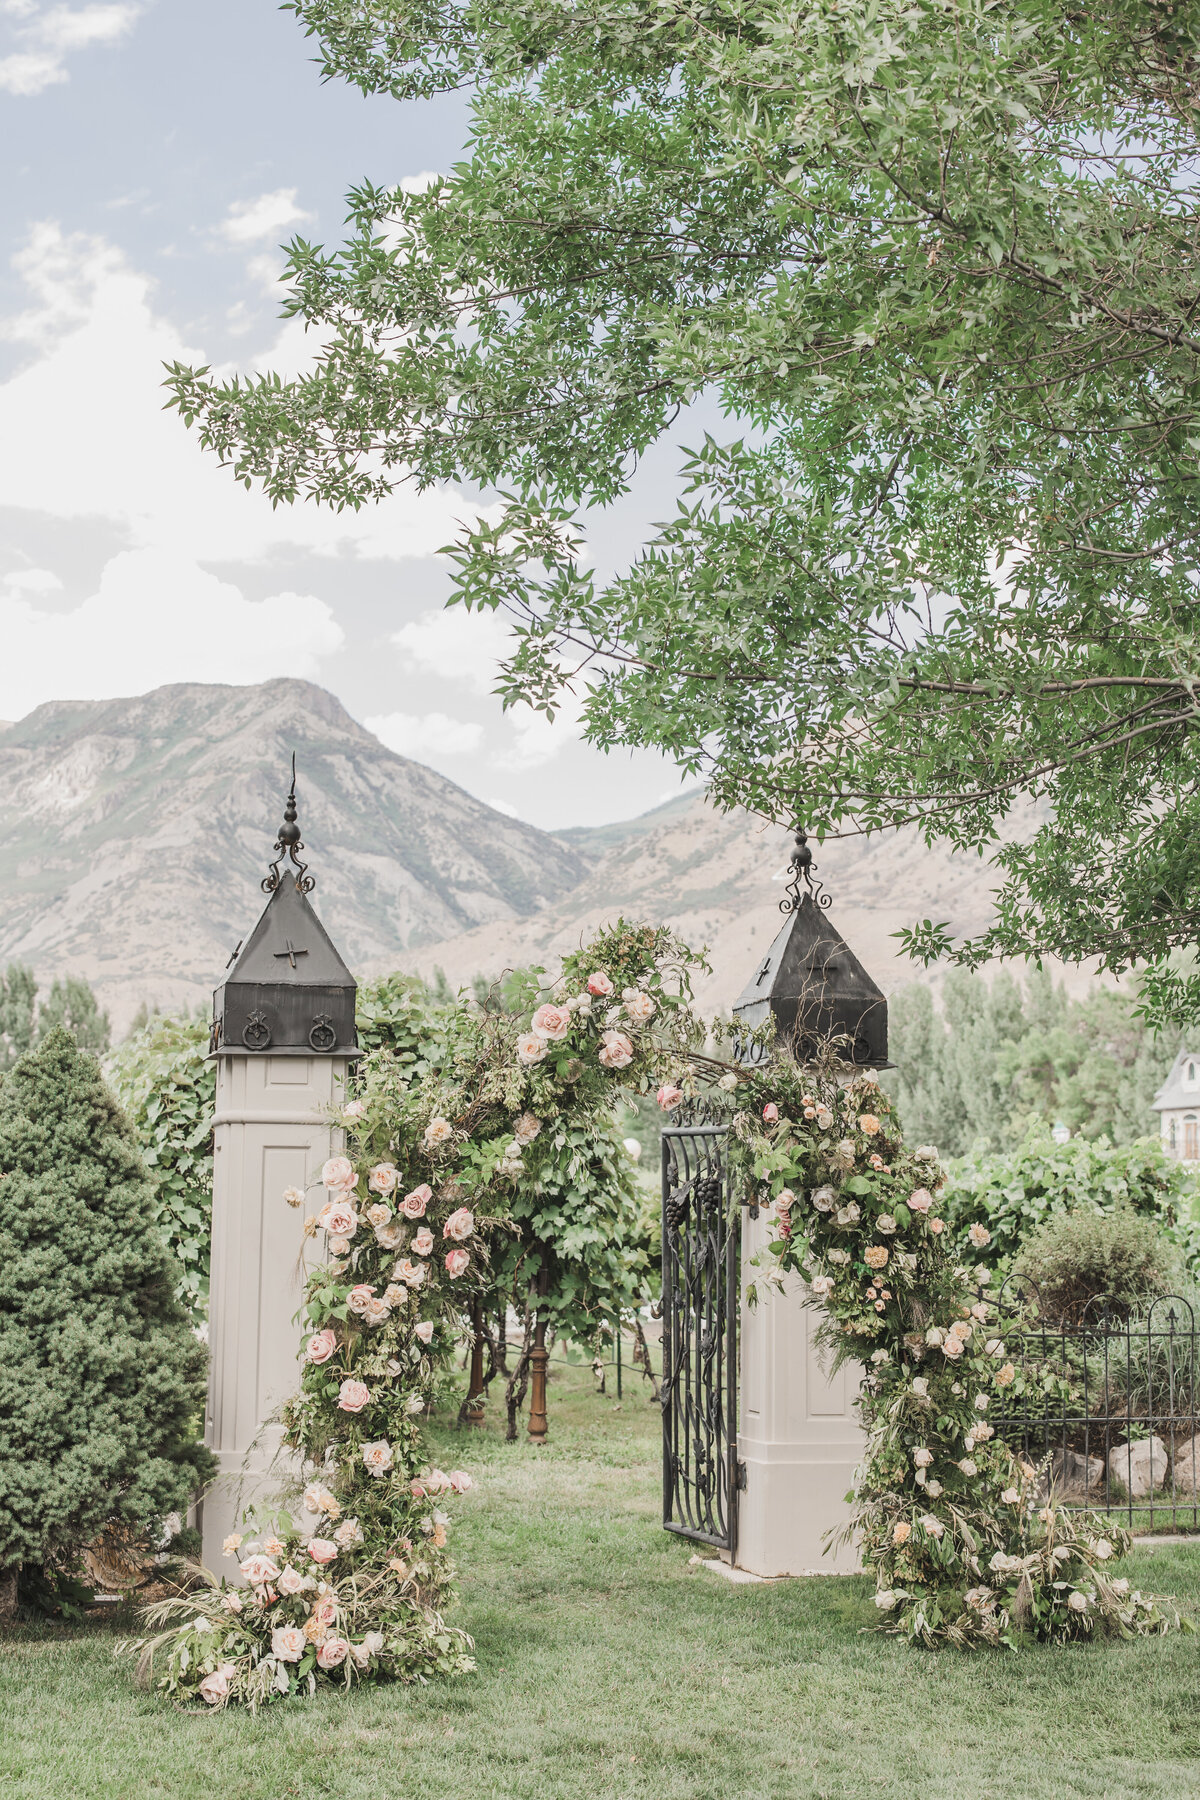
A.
x: 290, y: 951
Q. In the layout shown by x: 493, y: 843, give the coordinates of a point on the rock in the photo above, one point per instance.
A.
x: 1187, y: 1467
x: 1075, y: 1477
x: 1139, y: 1467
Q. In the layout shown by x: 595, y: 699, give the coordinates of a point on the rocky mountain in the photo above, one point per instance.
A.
x: 134, y: 834
x: 718, y: 879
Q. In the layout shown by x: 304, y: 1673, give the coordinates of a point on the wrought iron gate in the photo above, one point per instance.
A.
x: 700, y: 1246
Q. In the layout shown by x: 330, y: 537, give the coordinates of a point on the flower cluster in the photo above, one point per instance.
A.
x: 964, y: 1546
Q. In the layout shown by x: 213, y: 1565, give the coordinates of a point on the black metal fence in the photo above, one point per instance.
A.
x: 1107, y: 1405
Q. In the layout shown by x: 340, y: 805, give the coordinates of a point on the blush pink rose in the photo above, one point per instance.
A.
x: 669, y: 1096
x: 460, y: 1481
x: 770, y: 1112
x: 383, y: 1178
x: 413, y: 1205
x: 338, y: 1218
x: 215, y: 1687
x: 551, y: 1023
x: 291, y: 1581
x: 258, y: 1570
x: 353, y: 1396
x: 616, y: 1050
x: 353, y: 1109
x: 359, y: 1298
x: 598, y: 983
x: 456, y: 1263
x: 423, y: 1241
x: 339, y: 1173
x: 425, y: 1330
x: 459, y: 1225
x: 321, y: 1346
x: 332, y: 1653
x: 921, y: 1201
x: 322, y: 1550
x: 417, y: 1490
x: 411, y: 1272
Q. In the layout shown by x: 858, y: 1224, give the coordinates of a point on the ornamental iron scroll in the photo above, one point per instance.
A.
x: 802, y: 887
x: 700, y: 1261
x: 288, y: 846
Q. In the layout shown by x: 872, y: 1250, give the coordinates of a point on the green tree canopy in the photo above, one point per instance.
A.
x: 938, y: 263
x: 72, y: 1004
x: 101, y: 1376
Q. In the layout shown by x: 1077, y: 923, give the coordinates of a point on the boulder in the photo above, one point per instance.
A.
x: 1187, y: 1467
x: 1140, y: 1467
x: 1074, y: 1477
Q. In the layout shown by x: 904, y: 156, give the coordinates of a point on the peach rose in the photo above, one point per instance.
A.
x: 338, y: 1219
x: 411, y: 1272
x: 377, y: 1458
x: 377, y: 1310
x: 551, y: 1023
x: 456, y: 1263
x: 438, y: 1132
x: 669, y: 1096
x: 423, y: 1242
x: 318, y: 1499
x: 258, y: 1570
x: 378, y: 1214
x: 395, y: 1293
x: 321, y: 1346
x: 616, y: 1050
x: 339, y: 1173
x: 875, y: 1256
x: 288, y: 1643
x: 353, y: 1396
x: 291, y: 1581
x: 321, y: 1550
x: 215, y: 1687
x: 1005, y: 1376
x: 413, y: 1205
x: 294, y: 1196
x: 425, y: 1330
x: 526, y: 1128
x: 979, y: 1235
x: 332, y: 1653
x: 599, y: 984
x: 459, y: 1225
x: 383, y: 1178
x: 348, y: 1532
x: 640, y: 1008
x: 530, y: 1048
x: 868, y: 1123
x: 901, y: 1531
x: 232, y: 1544
x: 937, y: 1226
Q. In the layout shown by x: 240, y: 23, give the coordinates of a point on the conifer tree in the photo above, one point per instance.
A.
x: 101, y: 1376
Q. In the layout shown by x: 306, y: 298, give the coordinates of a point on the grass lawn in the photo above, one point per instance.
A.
x: 609, y: 1669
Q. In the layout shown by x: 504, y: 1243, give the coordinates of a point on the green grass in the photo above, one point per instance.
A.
x: 610, y: 1669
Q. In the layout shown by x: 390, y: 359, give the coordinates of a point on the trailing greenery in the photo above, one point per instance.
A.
x: 1013, y: 1195
x: 101, y: 1375
x: 167, y: 1085
x: 936, y: 262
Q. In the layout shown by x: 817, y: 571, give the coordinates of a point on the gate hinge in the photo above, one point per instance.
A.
x: 740, y: 1477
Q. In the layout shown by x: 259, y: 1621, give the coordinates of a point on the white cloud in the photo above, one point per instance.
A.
x: 155, y: 618
x: 502, y: 806
x: 84, y: 434
x: 46, y: 36
x: 250, y: 221
x: 33, y: 581
x: 465, y: 647
x: 426, y: 734
x: 538, y: 740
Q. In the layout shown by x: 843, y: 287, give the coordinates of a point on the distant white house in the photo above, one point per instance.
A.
x: 1177, y: 1104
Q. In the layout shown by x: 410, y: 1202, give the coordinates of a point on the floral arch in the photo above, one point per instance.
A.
x: 416, y: 1218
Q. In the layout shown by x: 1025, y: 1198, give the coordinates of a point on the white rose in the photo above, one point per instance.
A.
x: 1010, y: 1496
x: 885, y: 1224
x: 823, y: 1198
x: 922, y: 1457
x: 933, y: 1489
x: 1077, y: 1602
x: 920, y: 1386
x: 886, y: 1599
x: 1102, y: 1549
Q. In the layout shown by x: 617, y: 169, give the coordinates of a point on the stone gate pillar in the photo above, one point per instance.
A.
x: 283, y: 1040
x: 799, y: 1438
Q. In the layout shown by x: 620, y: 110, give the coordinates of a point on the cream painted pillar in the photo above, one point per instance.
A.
x: 272, y: 1131
x: 799, y: 1435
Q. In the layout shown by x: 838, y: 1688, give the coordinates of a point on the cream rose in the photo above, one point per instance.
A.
x: 232, y: 1544
x: 294, y: 1196
x: 390, y: 1236
x: 530, y: 1048
x: 822, y: 1286
x: 901, y: 1531
x: 383, y: 1178
x: 526, y: 1128
x: 378, y: 1214
x: 438, y: 1132
x: 411, y: 1272
x: 979, y: 1235
x: 377, y: 1458
x: 339, y: 1173
x: 424, y: 1330
x: 1005, y: 1376
x: 640, y: 1008
x: 459, y: 1225
x: 290, y: 1580
x: 353, y: 1396
x: 372, y: 1645
x: 423, y: 1242
x: 338, y: 1219
x: 288, y: 1643
x: 258, y: 1571
x: 922, y: 1457
x: 349, y: 1532
x: 359, y: 1298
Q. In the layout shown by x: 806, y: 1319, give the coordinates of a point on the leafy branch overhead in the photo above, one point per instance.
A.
x: 936, y: 262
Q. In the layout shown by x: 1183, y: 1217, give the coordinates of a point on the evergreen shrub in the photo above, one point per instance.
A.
x: 101, y: 1374
x: 1077, y: 1257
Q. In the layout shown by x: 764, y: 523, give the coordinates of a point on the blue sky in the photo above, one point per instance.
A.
x: 163, y: 152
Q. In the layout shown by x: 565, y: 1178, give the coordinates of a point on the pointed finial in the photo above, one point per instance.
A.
x: 801, y: 866
x: 289, y: 845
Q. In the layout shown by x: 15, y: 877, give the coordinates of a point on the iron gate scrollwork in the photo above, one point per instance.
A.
x: 700, y: 1249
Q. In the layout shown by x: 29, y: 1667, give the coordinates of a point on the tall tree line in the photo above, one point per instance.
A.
x: 70, y: 1003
